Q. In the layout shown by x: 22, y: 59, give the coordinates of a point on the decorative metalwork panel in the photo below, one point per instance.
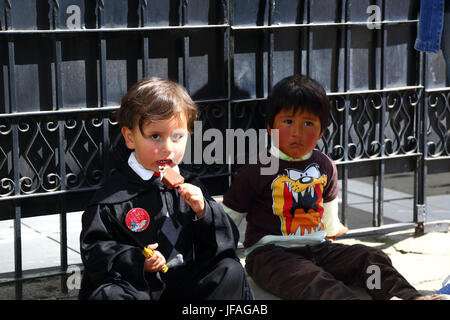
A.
x: 37, y: 155
x: 400, y: 133
x: 7, y: 178
x: 438, y: 124
x: 206, y: 154
x: 376, y: 124
x: 40, y: 139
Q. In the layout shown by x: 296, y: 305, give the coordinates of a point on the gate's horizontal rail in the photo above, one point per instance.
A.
x: 321, y: 24
x: 72, y: 191
x: 65, y: 111
x: 155, y: 28
x: 206, y: 26
x: 57, y: 112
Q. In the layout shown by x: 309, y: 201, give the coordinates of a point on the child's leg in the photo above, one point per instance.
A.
x: 225, y: 280
x: 222, y: 280
x: 114, y: 291
x: 365, y: 266
x: 290, y: 274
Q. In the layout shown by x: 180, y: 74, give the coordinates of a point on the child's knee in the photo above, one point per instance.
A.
x: 375, y: 255
x: 233, y: 267
x: 116, y: 292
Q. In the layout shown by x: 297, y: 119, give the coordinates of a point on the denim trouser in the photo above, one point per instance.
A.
x: 434, y: 28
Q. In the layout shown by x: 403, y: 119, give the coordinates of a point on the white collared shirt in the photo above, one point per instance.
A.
x: 145, y: 174
x: 277, y: 153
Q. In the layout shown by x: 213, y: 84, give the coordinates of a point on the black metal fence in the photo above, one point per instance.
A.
x: 64, y: 65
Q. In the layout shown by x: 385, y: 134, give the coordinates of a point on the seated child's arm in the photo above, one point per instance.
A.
x: 238, y: 200
x: 330, y: 219
x: 234, y: 215
x: 193, y: 195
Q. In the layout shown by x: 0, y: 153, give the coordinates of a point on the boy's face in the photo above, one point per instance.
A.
x: 298, y: 132
x: 162, y: 144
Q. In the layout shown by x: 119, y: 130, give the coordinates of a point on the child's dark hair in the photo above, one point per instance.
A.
x: 155, y: 99
x: 299, y: 92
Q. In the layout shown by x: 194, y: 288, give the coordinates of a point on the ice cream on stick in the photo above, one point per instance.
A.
x: 170, y: 178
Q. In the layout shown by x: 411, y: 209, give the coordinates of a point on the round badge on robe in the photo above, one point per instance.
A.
x: 137, y: 219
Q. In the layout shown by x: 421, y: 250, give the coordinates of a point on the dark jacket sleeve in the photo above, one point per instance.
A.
x: 107, y: 260
x: 215, y: 234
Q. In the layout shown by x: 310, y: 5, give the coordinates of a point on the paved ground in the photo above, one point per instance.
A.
x: 425, y: 260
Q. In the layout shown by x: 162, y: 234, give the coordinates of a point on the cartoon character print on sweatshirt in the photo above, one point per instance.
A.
x: 298, y: 201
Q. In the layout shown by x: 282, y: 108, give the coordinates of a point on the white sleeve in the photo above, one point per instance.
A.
x: 234, y: 215
x: 330, y: 218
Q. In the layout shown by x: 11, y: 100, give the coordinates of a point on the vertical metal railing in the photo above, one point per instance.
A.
x: 15, y: 158
x: 379, y: 216
x: 344, y: 171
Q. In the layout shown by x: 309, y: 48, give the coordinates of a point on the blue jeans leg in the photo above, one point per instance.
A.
x: 445, y: 39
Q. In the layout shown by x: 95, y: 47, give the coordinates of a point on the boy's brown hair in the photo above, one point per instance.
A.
x: 154, y: 99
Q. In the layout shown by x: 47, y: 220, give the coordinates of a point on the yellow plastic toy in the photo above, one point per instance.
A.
x: 148, y: 253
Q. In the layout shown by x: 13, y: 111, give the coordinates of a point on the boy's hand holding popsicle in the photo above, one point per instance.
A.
x: 191, y: 194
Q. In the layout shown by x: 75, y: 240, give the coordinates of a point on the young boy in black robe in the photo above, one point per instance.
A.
x: 184, y: 227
